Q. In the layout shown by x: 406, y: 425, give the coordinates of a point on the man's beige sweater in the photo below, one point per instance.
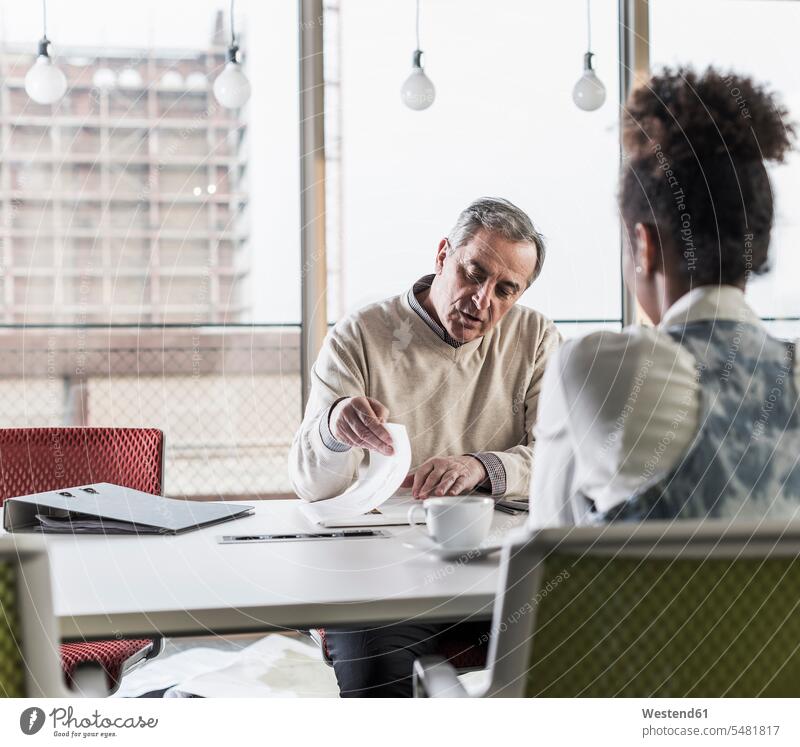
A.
x: 479, y: 397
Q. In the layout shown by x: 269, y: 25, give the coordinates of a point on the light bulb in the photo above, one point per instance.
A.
x: 130, y: 78
x: 104, y: 79
x: 231, y: 88
x: 196, y: 81
x: 589, y: 92
x: 418, y: 91
x: 44, y: 82
x: 172, y: 80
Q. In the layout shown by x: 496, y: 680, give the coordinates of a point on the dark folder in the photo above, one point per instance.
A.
x: 112, y: 509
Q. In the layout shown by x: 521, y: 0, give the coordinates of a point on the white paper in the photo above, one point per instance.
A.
x: 393, y: 513
x: 165, y: 671
x: 274, y: 666
x: 379, y: 483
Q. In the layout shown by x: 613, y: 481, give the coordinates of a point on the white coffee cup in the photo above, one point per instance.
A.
x: 456, y: 522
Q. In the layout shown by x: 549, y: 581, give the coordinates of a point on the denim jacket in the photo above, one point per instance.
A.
x: 744, y: 461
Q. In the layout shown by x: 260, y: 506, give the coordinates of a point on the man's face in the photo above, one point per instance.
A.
x: 479, y: 282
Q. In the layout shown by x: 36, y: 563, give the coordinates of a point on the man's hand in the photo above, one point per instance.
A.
x: 445, y: 476
x: 358, y: 421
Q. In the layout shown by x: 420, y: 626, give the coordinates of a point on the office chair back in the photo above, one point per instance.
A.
x: 672, y: 609
x: 33, y: 460
x: 29, y: 665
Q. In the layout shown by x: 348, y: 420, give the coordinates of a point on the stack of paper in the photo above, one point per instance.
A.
x: 90, y: 525
x: 379, y: 483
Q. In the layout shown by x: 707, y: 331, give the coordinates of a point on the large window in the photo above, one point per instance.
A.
x: 150, y: 237
x: 503, y: 124
x: 139, y: 159
x: 754, y: 39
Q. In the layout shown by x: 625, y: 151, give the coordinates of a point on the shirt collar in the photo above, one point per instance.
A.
x: 716, y: 302
x: 423, y: 284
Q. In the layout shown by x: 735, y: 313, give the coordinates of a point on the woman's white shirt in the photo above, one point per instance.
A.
x: 616, y: 409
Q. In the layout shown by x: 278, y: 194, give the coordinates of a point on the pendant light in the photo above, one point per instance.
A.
x: 231, y: 88
x: 589, y: 92
x: 44, y: 82
x: 418, y: 92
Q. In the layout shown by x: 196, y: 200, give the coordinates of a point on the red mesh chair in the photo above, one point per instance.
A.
x: 33, y: 460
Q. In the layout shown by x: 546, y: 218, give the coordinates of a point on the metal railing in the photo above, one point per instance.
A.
x: 228, y: 398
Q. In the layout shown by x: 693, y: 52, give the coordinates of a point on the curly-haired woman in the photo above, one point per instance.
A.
x: 698, y: 416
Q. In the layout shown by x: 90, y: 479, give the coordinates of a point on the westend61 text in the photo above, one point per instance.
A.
x: 669, y: 713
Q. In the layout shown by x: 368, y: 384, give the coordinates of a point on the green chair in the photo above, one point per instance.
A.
x: 29, y: 647
x: 655, y: 609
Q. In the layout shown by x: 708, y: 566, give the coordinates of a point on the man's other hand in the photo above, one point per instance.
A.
x: 358, y: 421
x: 445, y: 476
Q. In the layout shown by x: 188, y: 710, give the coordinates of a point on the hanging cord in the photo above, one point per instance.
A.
x: 418, y: 1
x: 233, y: 50
x: 44, y: 42
x: 589, y: 24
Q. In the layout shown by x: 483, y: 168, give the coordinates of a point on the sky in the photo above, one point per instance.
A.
x: 168, y: 23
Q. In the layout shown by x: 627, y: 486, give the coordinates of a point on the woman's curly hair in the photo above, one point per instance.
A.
x: 695, y: 151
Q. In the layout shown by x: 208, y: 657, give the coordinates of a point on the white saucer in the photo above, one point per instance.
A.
x: 425, y: 544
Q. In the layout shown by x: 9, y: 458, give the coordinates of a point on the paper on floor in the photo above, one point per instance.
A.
x: 379, y: 482
x: 274, y: 667
x: 165, y: 671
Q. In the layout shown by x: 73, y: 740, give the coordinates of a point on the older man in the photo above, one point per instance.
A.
x: 460, y: 365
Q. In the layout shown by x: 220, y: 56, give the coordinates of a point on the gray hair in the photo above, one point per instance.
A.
x: 499, y: 216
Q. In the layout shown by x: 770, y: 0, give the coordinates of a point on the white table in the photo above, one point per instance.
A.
x: 191, y: 585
